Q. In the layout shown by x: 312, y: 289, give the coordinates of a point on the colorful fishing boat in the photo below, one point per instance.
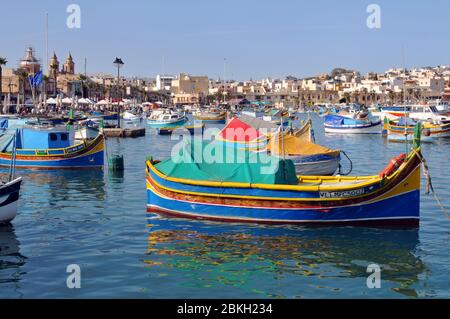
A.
x: 347, y: 125
x: 9, y: 197
x: 276, y: 116
x: 403, y: 129
x: 242, y: 135
x: 249, y: 191
x: 211, y: 115
x: 50, y: 149
x: 308, y: 157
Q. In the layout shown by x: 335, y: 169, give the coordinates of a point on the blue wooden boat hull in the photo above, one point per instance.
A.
x: 86, y: 161
x: 378, y: 201
x: 90, y: 155
x: 9, y: 196
x: 390, y: 211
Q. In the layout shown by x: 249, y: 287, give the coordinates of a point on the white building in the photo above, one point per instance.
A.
x: 164, y: 82
x: 433, y: 84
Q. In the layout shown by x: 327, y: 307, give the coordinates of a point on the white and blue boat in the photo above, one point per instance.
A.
x: 166, y: 118
x: 348, y: 125
x: 9, y: 197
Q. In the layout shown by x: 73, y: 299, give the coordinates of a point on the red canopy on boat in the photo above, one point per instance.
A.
x: 238, y: 131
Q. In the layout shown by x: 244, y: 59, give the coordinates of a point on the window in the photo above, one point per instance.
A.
x: 64, y: 137
x: 53, y: 137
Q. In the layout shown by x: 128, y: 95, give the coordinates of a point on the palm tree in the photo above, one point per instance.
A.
x: 45, y: 80
x: 391, y: 96
x: 83, y: 79
x: 3, y: 61
x: 347, y: 97
x: 23, y: 80
x: 364, y: 92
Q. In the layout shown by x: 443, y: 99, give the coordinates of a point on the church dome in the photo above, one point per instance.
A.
x: 29, y: 61
x: 29, y: 58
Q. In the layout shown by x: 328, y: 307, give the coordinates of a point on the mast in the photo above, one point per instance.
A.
x: 46, y: 44
x: 224, y: 81
x: 404, y: 101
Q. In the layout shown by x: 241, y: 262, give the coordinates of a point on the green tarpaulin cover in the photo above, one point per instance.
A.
x: 214, y: 161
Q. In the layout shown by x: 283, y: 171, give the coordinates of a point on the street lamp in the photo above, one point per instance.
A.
x: 118, y: 63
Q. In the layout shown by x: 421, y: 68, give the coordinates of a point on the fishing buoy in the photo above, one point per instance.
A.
x: 426, y: 132
x: 115, y: 163
x: 393, y: 165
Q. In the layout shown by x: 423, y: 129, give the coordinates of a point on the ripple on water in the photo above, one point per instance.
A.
x: 98, y: 220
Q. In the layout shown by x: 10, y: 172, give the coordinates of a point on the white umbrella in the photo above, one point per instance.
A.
x: 58, y: 101
x: 9, y: 101
x: 84, y: 101
x: 18, y: 103
x: 103, y: 102
x: 66, y: 100
x: 5, y: 106
x: 52, y: 101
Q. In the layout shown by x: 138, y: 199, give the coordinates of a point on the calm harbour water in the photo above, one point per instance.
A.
x: 98, y: 220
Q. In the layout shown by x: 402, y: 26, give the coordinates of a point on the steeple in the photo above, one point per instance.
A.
x: 69, y: 66
x: 54, y: 66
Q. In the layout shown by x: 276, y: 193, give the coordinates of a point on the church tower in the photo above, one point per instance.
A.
x: 69, y: 66
x: 54, y: 67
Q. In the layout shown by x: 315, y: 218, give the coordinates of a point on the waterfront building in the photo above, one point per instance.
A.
x: 10, y: 82
x: 164, y: 82
x: 186, y: 83
x: 446, y: 95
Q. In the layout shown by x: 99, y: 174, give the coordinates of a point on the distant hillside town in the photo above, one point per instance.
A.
x: 339, y: 86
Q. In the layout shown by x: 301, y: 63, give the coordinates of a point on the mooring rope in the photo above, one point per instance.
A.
x: 351, y: 165
x: 429, y: 186
x: 106, y: 143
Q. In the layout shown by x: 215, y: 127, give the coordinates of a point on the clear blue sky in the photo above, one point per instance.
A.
x: 259, y: 38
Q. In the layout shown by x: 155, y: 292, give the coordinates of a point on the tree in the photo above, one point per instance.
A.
x: 84, y: 86
x: 45, y: 81
x: 3, y: 61
x: 23, y: 80
x: 347, y: 97
x: 364, y: 92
